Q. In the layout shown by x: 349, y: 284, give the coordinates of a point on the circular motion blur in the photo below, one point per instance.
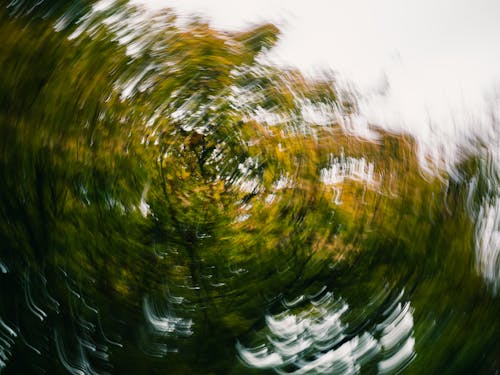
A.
x: 172, y: 204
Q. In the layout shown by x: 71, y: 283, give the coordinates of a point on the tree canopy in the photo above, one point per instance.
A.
x: 164, y: 190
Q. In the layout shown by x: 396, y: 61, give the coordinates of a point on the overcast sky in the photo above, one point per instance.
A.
x: 435, y: 60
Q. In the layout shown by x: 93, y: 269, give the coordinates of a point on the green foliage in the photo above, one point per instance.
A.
x: 178, y: 174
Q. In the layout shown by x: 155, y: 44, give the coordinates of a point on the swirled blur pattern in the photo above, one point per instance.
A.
x: 171, y: 204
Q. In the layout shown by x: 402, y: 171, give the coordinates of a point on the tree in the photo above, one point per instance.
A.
x: 164, y: 189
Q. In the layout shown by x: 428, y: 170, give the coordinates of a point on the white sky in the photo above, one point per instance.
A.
x: 434, y: 59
